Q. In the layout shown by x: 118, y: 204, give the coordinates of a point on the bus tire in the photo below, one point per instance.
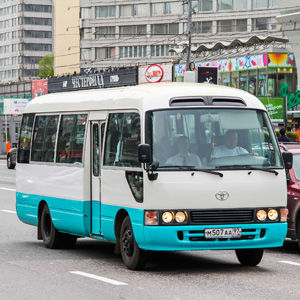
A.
x: 249, y: 257
x: 298, y: 233
x: 133, y: 257
x: 52, y: 238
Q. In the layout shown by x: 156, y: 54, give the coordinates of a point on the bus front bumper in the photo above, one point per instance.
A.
x: 179, y: 238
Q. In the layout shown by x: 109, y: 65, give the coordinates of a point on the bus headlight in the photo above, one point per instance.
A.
x: 180, y: 216
x: 261, y: 215
x: 167, y: 217
x: 273, y: 214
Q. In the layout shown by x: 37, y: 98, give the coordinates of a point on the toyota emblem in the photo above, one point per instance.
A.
x: 223, y: 195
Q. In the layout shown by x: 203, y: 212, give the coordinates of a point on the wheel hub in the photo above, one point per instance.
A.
x: 127, y: 242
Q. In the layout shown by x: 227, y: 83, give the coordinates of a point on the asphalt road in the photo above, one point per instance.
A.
x: 92, y: 271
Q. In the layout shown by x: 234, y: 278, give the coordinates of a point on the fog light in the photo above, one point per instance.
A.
x: 167, y: 217
x: 180, y: 216
x: 261, y: 215
x: 151, y: 218
x: 272, y: 214
x: 283, y: 214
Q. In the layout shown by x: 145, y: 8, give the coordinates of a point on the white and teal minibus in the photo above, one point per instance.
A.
x: 161, y: 167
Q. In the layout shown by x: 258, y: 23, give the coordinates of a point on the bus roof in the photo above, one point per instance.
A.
x: 141, y: 97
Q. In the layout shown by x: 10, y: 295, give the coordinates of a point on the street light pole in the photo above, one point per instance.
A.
x: 189, y: 35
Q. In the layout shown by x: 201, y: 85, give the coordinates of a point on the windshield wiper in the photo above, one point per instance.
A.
x: 192, y: 168
x: 248, y: 167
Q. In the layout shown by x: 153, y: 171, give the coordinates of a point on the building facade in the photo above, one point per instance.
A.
x: 26, y: 35
x: 128, y: 33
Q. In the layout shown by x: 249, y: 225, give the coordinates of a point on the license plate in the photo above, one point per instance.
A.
x: 215, y: 233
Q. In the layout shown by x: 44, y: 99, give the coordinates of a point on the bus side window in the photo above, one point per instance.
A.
x: 25, y: 138
x: 122, y: 138
x: 71, y: 139
x: 44, y: 138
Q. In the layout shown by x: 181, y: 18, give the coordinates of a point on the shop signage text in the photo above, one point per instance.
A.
x: 87, y: 81
x: 154, y: 73
x: 292, y: 99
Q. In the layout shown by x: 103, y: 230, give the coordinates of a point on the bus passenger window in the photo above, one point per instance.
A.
x: 71, y: 138
x: 96, y: 150
x: 25, y: 138
x: 44, y: 138
x: 122, y: 139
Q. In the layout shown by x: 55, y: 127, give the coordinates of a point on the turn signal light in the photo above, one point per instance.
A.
x: 151, y: 217
x: 283, y: 214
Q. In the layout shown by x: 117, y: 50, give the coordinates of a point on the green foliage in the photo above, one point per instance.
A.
x: 46, y: 66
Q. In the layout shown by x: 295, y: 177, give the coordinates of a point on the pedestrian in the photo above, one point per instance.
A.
x: 283, y: 137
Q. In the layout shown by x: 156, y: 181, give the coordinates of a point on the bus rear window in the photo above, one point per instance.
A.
x: 25, y: 138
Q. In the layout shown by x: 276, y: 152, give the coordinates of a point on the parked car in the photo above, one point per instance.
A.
x: 293, y: 186
x: 11, y: 158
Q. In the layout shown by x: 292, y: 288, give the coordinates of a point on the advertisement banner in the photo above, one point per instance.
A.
x: 14, y: 106
x: 122, y: 77
x: 39, y: 88
x: 275, y: 108
x: 208, y: 75
x: 155, y: 73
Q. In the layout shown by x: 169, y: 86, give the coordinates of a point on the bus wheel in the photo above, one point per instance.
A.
x: 249, y: 257
x: 52, y: 238
x: 298, y: 233
x: 133, y: 257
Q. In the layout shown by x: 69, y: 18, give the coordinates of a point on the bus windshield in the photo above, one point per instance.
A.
x: 212, y: 139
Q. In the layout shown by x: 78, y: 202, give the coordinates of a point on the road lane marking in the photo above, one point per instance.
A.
x: 9, y: 211
x: 7, y: 189
x: 107, y: 280
x: 289, y: 263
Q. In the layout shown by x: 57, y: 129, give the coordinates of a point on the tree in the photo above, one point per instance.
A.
x: 46, y: 66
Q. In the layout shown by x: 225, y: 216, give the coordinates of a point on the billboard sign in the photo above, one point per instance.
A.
x: 208, y: 75
x: 14, y: 106
x: 155, y: 73
x: 39, y: 88
x: 275, y: 108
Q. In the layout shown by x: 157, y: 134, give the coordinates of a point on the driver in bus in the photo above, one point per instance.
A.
x: 184, y: 157
x: 230, y: 148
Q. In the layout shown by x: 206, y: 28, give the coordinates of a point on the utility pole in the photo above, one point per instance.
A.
x: 189, y: 35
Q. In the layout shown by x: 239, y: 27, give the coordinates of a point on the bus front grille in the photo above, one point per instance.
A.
x: 222, y: 216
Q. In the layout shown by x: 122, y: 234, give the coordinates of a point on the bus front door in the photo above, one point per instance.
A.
x: 97, y: 132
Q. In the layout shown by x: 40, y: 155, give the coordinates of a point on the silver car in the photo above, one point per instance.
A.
x: 11, y: 158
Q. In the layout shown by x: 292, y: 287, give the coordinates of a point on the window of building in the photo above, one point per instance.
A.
x: 167, y: 8
x: 133, y: 51
x: 86, y: 33
x: 260, y: 24
x: 44, y: 138
x: 38, y: 8
x: 133, y: 30
x: 104, y: 53
x: 71, y: 139
x: 38, y: 34
x: 32, y: 59
x: 241, y: 4
x: 122, y: 140
x: 86, y: 53
x: 200, y: 6
x: 241, y: 25
x: 25, y: 138
x: 202, y: 27
x: 161, y: 29
x: 85, y: 12
x: 132, y: 10
x: 105, y: 11
x: 38, y: 47
x: 260, y: 3
x: 161, y: 50
x: 225, y: 4
x: 105, y: 32
x: 225, y: 26
x: 37, y: 21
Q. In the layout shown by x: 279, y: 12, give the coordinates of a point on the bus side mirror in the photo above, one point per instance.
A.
x: 144, y: 153
x: 288, y: 160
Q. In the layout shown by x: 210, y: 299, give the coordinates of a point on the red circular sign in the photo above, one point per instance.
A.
x: 154, y: 73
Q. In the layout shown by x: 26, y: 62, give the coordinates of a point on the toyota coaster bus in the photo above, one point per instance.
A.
x: 107, y: 164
